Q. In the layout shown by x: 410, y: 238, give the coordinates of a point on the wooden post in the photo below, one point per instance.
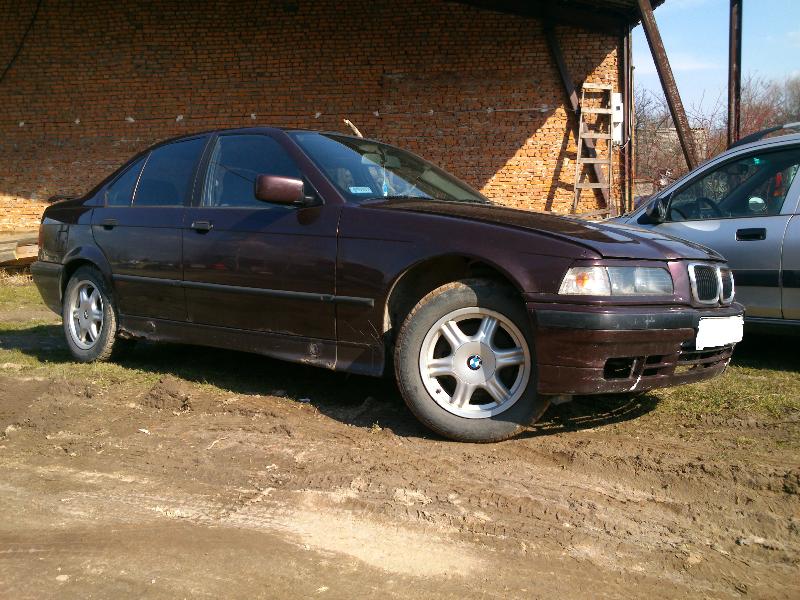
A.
x: 668, y: 83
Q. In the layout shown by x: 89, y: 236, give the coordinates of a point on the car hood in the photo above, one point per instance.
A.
x: 609, y: 240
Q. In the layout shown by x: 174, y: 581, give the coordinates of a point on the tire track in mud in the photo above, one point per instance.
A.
x: 312, y: 520
x: 632, y: 502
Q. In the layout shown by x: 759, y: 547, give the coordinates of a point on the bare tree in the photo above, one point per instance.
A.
x: 764, y: 103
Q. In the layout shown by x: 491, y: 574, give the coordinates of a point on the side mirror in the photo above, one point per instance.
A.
x: 657, y: 212
x: 756, y: 205
x: 280, y: 190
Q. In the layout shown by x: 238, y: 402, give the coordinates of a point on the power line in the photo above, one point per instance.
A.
x: 21, y: 42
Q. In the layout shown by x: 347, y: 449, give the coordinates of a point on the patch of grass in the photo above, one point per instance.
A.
x: 17, y: 291
x: 763, y: 379
x: 39, y: 349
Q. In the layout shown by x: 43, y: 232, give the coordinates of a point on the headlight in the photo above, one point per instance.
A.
x: 617, y: 281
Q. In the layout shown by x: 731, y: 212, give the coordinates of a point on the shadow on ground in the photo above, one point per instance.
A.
x: 356, y: 400
x: 777, y: 352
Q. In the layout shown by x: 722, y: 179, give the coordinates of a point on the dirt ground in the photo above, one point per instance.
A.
x: 189, y: 472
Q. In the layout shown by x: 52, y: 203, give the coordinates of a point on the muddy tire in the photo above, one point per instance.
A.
x: 465, y: 363
x: 90, y: 318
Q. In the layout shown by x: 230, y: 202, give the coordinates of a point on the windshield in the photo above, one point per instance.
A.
x: 365, y: 170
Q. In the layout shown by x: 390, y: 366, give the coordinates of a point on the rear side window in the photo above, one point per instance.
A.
x: 168, y: 172
x: 236, y: 162
x: 120, y: 192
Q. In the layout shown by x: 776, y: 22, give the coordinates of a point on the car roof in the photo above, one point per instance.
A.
x: 258, y: 129
x: 778, y: 140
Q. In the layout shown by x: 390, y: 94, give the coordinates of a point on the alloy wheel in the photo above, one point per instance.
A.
x: 86, y: 314
x: 475, y: 363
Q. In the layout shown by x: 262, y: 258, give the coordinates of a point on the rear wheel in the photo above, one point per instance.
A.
x: 90, y: 317
x: 465, y: 365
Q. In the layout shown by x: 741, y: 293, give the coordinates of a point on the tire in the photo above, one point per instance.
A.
x: 90, y: 325
x: 447, y: 377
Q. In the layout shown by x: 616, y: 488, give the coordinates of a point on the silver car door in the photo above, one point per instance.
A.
x: 741, y: 208
x: 790, y: 270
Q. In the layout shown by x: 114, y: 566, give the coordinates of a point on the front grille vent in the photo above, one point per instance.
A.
x: 706, y: 284
x: 711, y: 284
x: 727, y: 285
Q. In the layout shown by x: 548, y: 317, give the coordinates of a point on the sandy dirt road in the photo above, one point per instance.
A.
x: 230, y: 484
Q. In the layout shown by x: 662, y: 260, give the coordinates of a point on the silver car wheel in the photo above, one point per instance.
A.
x: 85, y: 314
x: 477, y: 374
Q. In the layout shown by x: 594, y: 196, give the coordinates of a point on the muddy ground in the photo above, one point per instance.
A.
x: 186, y: 472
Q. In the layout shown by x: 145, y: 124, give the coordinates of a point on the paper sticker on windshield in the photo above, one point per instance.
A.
x: 360, y: 190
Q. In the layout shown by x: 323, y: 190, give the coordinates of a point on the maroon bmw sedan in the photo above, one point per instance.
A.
x: 353, y: 255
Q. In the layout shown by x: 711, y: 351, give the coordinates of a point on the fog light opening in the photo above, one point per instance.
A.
x: 618, y: 368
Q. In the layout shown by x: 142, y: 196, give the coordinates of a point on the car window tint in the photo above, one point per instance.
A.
x: 236, y: 162
x: 168, y: 172
x: 120, y: 192
x: 752, y: 186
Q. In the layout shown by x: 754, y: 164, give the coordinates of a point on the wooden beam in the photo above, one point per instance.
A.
x: 588, y: 18
x: 572, y: 96
x: 734, y: 71
x: 668, y: 84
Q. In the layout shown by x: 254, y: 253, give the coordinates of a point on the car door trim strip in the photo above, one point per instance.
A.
x: 199, y: 285
x: 791, y: 278
x: 757, y: 277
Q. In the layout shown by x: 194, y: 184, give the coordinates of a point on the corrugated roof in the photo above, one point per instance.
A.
x: 609, y: 12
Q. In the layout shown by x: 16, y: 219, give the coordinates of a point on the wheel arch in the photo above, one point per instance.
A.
x: 84, y: 256
x: 424, y: 276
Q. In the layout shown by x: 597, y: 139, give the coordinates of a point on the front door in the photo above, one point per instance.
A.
x: 252, y: 265
x: 139, y: 230
x: 741, y: 209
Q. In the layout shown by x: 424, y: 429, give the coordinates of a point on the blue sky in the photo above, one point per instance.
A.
x: 695, y: 34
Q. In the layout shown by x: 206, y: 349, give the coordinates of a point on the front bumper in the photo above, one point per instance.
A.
x: 47, y: 277
x: 585, y: 350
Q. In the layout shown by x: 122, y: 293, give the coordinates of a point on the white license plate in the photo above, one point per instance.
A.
x: 719, y: 331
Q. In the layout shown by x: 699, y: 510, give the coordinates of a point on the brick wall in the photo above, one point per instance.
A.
x: 472, y: 90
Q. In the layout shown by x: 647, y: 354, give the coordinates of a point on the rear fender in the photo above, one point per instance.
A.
x: 85, y: 254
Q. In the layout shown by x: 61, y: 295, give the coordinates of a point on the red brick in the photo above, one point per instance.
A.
x: 473, y: 90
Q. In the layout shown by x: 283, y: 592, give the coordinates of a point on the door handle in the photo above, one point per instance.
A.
x: 752, y: 234
x: 202, y: 226
x: 110, y: 223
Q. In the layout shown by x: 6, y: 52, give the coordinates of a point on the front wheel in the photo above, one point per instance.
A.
x: 465, y: 365
x: 90, y: 317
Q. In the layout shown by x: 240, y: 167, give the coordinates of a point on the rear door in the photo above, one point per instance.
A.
x: 139, y: 229
x: 741, y: 208
x: 253, y: 265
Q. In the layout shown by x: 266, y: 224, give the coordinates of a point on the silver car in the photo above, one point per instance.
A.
x: 743, y: 204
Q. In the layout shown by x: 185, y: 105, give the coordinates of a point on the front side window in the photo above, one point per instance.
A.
x: 120, y: 193
x: 752, y: 186
x: 365, y: 170
x: 168, y: 172
x: 236, y: 162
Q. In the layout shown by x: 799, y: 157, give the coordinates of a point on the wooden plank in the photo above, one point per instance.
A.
x: 591, y: 186
x: 593, y: 161
x: 591, y: 110
x: 597, y: 136
x: 578, y: 167
x: 594, y: 213
x: 27, y: 251
x: 18, y: 251
x: 598, y: 86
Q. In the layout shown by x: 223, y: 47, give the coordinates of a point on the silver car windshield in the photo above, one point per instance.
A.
x: 363, y: 170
